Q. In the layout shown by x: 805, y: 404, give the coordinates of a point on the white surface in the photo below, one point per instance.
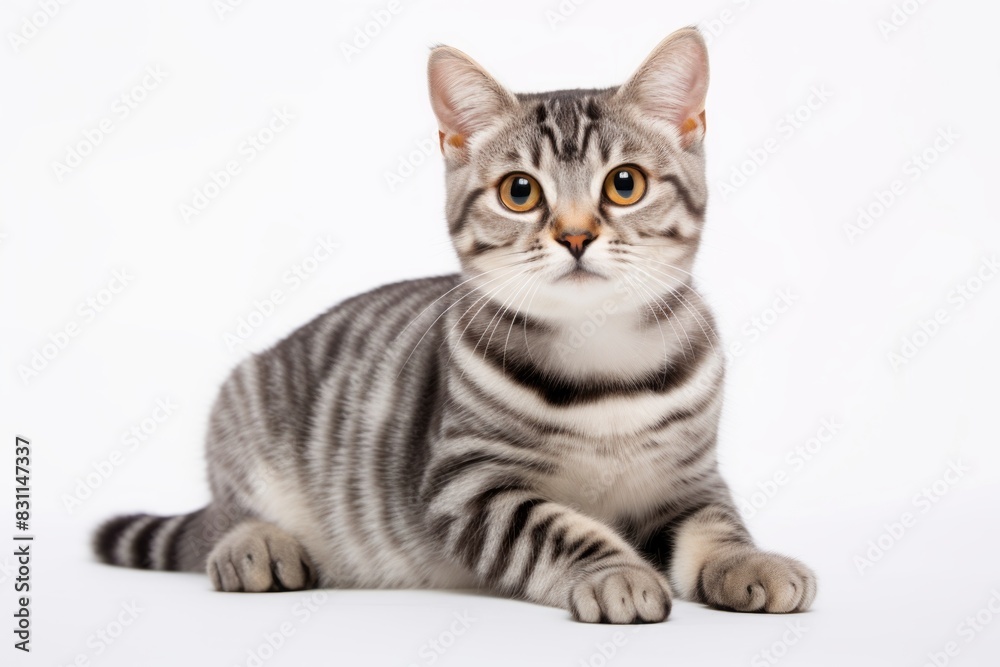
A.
x: 163, y: 336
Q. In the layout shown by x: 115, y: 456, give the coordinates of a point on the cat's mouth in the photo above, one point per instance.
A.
x: 580, y: 274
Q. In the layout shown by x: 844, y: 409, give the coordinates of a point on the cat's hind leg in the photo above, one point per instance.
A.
x: 256, y: 557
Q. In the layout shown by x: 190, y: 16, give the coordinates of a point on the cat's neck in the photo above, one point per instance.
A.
x: 586, y: 333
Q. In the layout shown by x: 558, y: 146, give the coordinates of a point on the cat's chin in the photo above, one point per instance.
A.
x: 570, y: 295
x: 581, y: 276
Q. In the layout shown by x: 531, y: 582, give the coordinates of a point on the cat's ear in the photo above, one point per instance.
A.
x: 466, y: 99
x: 672, y: 83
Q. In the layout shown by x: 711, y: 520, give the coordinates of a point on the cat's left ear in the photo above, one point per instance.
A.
x: 466, y: 99
x: 672, y: 83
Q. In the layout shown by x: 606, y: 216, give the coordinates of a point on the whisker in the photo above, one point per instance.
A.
x: 710, y: 332
x: 442, y: 314
x: 498, y: 316
x: 684, y: 302
x: 661, y: 304
x: 531, y: 284
x: 486, y: 298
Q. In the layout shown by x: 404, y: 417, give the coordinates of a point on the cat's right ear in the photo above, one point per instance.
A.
x: 671, y: 84
x: 466, y: 99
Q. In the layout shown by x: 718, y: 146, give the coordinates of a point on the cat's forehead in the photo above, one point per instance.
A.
x: 565, y: 110
x: 563, y: 132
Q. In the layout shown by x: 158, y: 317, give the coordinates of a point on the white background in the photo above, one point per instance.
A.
x: 854, y: 300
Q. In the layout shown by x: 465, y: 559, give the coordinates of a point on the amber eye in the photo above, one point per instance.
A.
x: 520, y: 193
x: 625, y: 185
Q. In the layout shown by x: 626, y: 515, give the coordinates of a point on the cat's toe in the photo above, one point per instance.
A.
x: 629, y: 594
x: 758, y: 581
x: 257, y: 557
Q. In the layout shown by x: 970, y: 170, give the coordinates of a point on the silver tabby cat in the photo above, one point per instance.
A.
x: 543, y: 425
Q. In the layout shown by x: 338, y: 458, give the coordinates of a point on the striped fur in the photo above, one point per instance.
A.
x: 542, y: 425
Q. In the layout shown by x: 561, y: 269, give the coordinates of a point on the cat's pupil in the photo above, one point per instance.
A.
x: 520, y: 191
x: 624, y: 184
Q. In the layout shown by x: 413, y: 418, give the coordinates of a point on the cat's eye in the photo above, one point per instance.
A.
x: 625, y: 185
x: 520, y: 193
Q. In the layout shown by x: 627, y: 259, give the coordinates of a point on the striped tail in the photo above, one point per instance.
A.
x: 152, y: 542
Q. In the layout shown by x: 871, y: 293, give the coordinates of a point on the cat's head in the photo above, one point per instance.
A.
x: 561, y: 200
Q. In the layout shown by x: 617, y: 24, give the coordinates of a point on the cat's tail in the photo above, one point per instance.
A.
x: 149, y: 542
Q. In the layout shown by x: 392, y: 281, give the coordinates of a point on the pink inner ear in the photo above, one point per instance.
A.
x: 673, y: 81
x: 465, y: 98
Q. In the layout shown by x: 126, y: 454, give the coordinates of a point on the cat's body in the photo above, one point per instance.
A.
x: 543, y: 425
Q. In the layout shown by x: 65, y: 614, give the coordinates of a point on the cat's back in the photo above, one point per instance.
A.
x: 381, y: 317
x: 342, y: 355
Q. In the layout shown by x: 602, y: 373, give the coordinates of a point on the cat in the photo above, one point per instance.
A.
x: 542, y: 425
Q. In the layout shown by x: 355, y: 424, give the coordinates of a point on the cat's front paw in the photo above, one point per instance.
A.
x: 624, y: 594
x: 757, y: 581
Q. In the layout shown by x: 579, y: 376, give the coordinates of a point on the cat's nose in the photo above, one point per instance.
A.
x: 576, y: 241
